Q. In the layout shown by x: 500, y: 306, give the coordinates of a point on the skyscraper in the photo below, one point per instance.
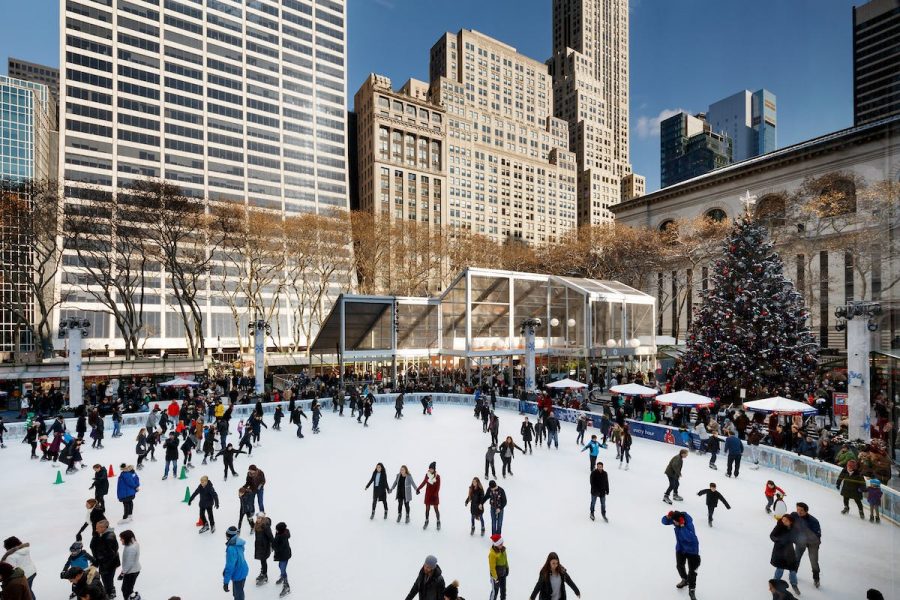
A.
x: 590, y: 92
x: 29, y: 71
x: 749, y: 119
x: 510, y: 174
x: 25, y: 140
x: 876, y: 61
x: 689, y: 148
x: 234, y: 101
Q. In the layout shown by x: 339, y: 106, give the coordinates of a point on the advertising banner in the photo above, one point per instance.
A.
x: 840, y: 404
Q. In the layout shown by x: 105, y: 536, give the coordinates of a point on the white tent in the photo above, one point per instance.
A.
x: 779, y: 406
x: 684, y: 398
x: 178, y: 382
x: 633, y: 389
x: 566, y: 383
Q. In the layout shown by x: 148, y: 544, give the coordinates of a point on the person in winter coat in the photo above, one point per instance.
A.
x: 498, y: 566
x: 475, y: 502
x: 247, y: 509
x: 784, y: 557
x: 714, y: 445
x: 494, y: 428
x: 539, y: 430
x: 228, y: 453
x: 141, y: 448
x: 507, y: 453
x: 379, y: 491
x: 208, y: 499
x: 496, y: 495
x: 398, y: 407
x: 779, y: 590
x: 429, y: 584
x: 807, y: 537
x: 97, y: 433
x: 553, y: 577
x: 262, y: 545
x: 873, y: 498
x: 171, y: 448
x: 599, y: 489
x: 551, y: 424
x: 687, y: 549
x: 236, y: 568
x: 19, y: 555
x: 100, y: 485
x: 77, y: 558
x: 209, y: 444
x: 86, y: 583
x: 131, y: 562
x: 623, y: 445
x: 734, y: 448
x: 527, y: 431
x: 432, y: 485
x: 594, y: 447
x: 770, y: 491
x: 852, y: 483
x: 95, y: 514
x: 281, y: 547
x: 489, y: 460
x: 580, y: 428
x: 277, y: 417
x: 673, y: 473
x: 127, y: 487
x: 713, y: 497
x: 15, y: 584
x: 105, y: 549
x: 405, y: 486
x: 256, y: 481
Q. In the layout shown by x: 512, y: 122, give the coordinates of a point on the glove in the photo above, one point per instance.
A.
x: 225, y: 587
x: 217, y: 507
x: 77, y: 537
x: 669, y: 514
x: 189, y: 503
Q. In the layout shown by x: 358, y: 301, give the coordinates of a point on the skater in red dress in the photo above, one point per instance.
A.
x: 432, y: 485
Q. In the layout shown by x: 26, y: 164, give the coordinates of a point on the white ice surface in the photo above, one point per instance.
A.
x: 316, y: 486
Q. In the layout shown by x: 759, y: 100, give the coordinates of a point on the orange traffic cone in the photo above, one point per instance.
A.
x: 110, y: 473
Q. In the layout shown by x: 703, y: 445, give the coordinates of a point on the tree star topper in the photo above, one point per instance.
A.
x: 748, y: 200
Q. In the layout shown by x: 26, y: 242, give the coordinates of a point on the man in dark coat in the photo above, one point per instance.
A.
x: 784, y: 557
x: 429, y: 585
x: 852, y: 483
x: 208, y: 499
x: 15, y: 585
x: 599, y: 489
x: 105, y: 549
x: 807, y: 538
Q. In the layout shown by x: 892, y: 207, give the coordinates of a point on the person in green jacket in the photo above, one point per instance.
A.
x: 649, y: 417
x: 852, y: 484
x: 844, y: 455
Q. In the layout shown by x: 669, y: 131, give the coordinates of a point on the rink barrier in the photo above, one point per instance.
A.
x: 822, y: 473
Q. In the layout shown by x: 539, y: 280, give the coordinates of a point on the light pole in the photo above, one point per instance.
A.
x: 528, y: 330
x: 859, y: 319
x: 260, y: 329
x: 75, y: 329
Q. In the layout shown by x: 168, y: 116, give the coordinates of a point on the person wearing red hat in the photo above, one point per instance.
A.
x: 499, y: 567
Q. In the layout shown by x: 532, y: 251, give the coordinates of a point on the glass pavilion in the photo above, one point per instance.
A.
x: 477, y: 321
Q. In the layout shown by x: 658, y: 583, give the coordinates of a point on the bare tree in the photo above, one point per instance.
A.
x: 114, y: 259
x: 30, y: 219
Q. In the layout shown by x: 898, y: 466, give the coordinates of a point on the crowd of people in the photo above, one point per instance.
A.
x: 202, y: 422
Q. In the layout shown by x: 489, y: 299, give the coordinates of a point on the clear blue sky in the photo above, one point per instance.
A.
x: 684, y: 53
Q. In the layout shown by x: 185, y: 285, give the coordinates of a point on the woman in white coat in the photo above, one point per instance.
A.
x: 19, y: 555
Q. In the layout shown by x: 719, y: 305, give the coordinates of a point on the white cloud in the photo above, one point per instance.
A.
x: 648, y: 127
x: 388, y: 4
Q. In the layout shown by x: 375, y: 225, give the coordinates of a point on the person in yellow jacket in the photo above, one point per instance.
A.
x: 220, y: 410
x: 499, y: 567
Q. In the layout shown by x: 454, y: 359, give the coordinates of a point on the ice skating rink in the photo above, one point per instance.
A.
x: 316, y: 486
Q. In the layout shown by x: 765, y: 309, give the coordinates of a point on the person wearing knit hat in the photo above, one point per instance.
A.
x: 432, y: 485
x: 236, y: 567
x: 451, y: 592
x: 873, y: 498
x: 498, y: 565
x: 429, y: 584
x: 852, y: 483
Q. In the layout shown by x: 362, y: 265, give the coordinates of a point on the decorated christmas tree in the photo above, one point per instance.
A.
x: 751, y: 330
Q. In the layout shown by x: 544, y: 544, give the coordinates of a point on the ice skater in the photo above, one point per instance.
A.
x: 236, y: 567
x: 770, y: 491
x: 852, y: 483
x: 208, y: 499
x: 398, y: 407
x: 498, y: 566
x: 624, y: 446
x: 209, y: 444
x: 245, y: 505
x: 432, y: 485
x: 714, y: 445
x: 405, y: 486
x: 507, y: 453
x: 807, y: 538
x: 494, y: 428
x: 127, y: 487
x: 429, y: 583
x: 489, y: 460
x: 262, y: 545
x: 281, y: 549
x: 687, y: 549
x: 228, y: 454
x: 673, y: 473
x: 713, y: 497
x: 496, y: 496
x: 296, y: 418
x: 475, y: 502
x: 100, y: 484
x: 527, y: 431
x: 599, y: 480
x: 784, y: 556
x: 551, y: 423
x: 316, y: 415
x: 171, y: 448
x: 873, y: 499
x: 379, y: 491
x: 277, y: 417
x: 256, y: 481
x: 551, y: 573
x: 734, y: 448
x: 594, y: 447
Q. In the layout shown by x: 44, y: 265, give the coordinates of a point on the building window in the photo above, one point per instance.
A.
x: 770, y: 210
x: 716, y: 214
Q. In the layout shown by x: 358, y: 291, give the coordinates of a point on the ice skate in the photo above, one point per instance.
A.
x: 626, y: 466
x: 592, y: 517
x: 425, y: 526
x: 603, y: 516
x: 692, y: 595
x: 407, y: 517
x: 715, y: 468
x: 212, y: 528
x: 262, y: 579
x: 861, y: 514
x: 280, y: 580
x: 439, y: 525
x: 796, y: 590
x: 843, y: 512
x: 285, y: 590
x: 385, y: 514
x: 677, y: 497
x: 667, y: 500
x: 372, y: 516
x: 164, y: 477
x: 204, y: 529
x: 399, y: 516
x: 681, y: 584
x: 878, y: 520
x: 482, y: 532
x: 871, y: 519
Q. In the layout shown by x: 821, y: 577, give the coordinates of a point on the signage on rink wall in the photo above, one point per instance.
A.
x: 840, y: 404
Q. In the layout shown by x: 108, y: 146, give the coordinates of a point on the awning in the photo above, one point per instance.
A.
x: 633, y: 389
